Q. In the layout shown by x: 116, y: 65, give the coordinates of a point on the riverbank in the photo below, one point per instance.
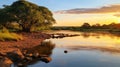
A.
x: 29, y: 40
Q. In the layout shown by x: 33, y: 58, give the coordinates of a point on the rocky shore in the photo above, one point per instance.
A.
x: 29, y: 50
x: 30, y: 40
x: 21, y: 57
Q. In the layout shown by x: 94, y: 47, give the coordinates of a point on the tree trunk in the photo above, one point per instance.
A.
x: 24, y: 29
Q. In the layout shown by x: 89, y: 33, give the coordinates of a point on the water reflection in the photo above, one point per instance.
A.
x: 98, y: 34
x: 25, y: 57
x: 102, y: 41
x: 101, y: 49
x: 86, y: 50
x: 111, y: 50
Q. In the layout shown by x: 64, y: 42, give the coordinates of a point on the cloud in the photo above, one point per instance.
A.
x: 104, y: 9
x: 100, y: 48
x: 117, y: 15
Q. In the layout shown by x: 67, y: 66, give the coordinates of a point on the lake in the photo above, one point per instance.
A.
x: 87, y: 50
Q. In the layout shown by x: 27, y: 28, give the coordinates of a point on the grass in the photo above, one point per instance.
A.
x: 5, y: 35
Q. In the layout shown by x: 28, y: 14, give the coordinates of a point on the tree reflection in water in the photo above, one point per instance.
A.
x: 25, y: 57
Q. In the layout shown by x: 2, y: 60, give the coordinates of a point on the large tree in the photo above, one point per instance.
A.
x: 27, y: 15
x: 86, y: 25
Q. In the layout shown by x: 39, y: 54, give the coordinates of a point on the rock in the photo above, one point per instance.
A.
x: 24, y: 52
x: 1, y: 57
x: 65, y: 51
x: 28, y: 58
x: 29, y: 55
x: 36, y: 55
x: 7, y: 61
x: 46, y: 59
x: 15, y: 56
x: 44, y: 56
x: 19, y: 53
x: 2, y: 54
x: 20, y: 65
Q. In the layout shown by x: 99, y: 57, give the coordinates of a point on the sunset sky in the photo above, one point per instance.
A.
x: 76, y: 12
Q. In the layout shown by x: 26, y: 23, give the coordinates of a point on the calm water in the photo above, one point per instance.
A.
x: 86, y: 50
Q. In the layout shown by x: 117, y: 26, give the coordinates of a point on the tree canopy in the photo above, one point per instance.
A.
x: 86, y: 25
x: 27, y: 15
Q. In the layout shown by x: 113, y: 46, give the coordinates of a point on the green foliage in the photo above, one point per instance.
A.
x: 86, y: 25
x: 13, y: 26
x: 27, y: 15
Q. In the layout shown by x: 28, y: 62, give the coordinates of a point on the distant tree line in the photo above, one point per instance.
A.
x: 87, y: 27
x: 104, y: 26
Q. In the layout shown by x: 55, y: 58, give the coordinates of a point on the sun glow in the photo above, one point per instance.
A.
x: 118, y: 20
x: 79, y: 19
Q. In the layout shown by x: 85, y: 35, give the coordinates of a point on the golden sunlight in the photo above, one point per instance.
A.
x: 118, y: 20
x: 79, y: 19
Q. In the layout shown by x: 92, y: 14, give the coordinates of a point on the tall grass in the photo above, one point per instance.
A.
x: 5, y: 35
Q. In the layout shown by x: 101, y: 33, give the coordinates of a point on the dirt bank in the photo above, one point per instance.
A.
x: 30, y: 40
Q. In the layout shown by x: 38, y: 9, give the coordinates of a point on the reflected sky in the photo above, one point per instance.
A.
x: 101, y: 49
x: 81, y: 58
x: 102, y: 40
x: 87, y: 50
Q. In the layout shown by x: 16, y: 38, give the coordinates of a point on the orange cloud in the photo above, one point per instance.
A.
x: 104, y: 9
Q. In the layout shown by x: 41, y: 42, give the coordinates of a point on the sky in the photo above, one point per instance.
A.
x: 76, y: 12
x: 55, y: 5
